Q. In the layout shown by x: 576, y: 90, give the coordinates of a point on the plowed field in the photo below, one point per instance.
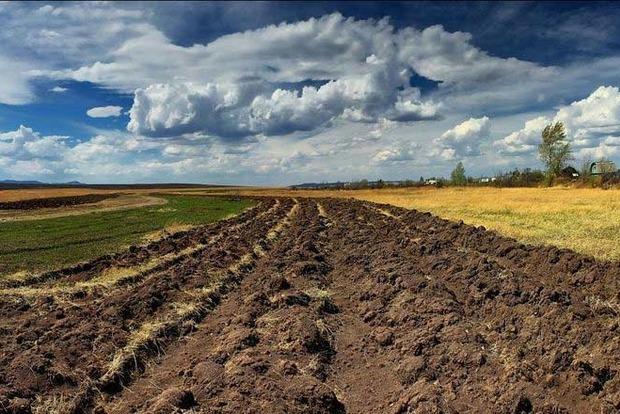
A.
x: 317, y: 306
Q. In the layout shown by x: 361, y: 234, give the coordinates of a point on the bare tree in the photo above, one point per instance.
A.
x: 586, y: 162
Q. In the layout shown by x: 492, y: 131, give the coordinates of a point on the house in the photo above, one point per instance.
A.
x: 570, y: 172
x: 603, y: 167
x: 430, y: 182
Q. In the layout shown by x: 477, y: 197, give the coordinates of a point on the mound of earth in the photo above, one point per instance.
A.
x: 54, y: 202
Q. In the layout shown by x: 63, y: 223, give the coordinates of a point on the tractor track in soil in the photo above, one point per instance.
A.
x: 317, y: 306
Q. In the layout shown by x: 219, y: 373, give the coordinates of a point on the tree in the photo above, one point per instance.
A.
x: 554, y: 151
x: 458, y: 175
x: 605, y: 166
x: 586, y: 162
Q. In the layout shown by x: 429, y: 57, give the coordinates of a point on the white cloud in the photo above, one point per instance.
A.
x: 58, y: 89
x: 25, y: 144
x: 15, y: 87
x: 463, y: 140
x: 523, y: 141
x: 451, y: 58
x: 105, y: 111
x: 234, y: 111
x: 591, y: 120
x: 397, y: 154
x: 366, y: 64
x: 328, y: 48
x: 592, y: 127
x: 29, y: 168
x: 172, y: 110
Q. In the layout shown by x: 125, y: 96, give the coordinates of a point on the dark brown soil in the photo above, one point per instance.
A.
x: 320, y: 306
x: 54, y: 202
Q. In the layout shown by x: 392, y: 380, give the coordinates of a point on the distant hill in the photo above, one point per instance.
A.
x: 17, y: 182
x: 34, y: 183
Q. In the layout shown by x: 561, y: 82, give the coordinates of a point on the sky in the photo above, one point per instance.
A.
x: 270, y: 93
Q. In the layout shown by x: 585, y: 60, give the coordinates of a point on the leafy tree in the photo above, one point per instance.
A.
x: 458, y: 175
x: 554, y: 151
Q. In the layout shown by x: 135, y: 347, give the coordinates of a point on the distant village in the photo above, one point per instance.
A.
x: 596, y: 173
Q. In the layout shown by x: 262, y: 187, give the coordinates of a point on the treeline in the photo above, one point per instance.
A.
x: 526, y: 177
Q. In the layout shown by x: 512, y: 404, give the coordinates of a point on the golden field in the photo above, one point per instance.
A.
x: 586, y: 220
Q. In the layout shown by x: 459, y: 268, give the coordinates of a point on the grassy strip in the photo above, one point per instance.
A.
x: 40, y: 245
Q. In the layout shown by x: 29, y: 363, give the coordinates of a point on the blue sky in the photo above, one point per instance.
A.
x: 279, y: 93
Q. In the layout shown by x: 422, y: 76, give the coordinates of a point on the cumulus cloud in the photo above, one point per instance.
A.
x: 397, y: 154
x: 451, y: 58
x: 592, y: 126
x: 463, y: 140
x: 172, y: 110
x: 105, y: 111
x: 592, y: 120
x: 523, y: 141
x: 230, y: 111
x: 365, y: 66
x: 328, y: 48
x: 24, y: 144
x: 58, y: 89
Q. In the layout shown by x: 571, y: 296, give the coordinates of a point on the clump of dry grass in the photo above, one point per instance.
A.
x: 166, y: 232
x: 316, y: 293
x: 145, y: 338
x: 56, y: 404
x: 279, y: 227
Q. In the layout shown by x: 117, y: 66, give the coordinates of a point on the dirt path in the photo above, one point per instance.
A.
x: 317, y: 306
x: 120, y: 202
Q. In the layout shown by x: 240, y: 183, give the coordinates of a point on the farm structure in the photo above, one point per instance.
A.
x: 603, y: 167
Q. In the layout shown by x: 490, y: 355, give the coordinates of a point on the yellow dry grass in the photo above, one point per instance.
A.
x: 165, y: 232
x: 586, y: 220
x: 111, y: 276
x: 56, y: 404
